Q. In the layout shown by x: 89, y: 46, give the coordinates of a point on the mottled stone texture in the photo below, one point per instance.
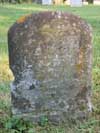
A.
x: 50, y: 56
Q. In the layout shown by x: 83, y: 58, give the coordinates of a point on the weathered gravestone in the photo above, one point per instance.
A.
x: 76, y: 3
x: 38, y: 1
x: 50, y: 57
x: 46, y: 2
x: 43, y: 2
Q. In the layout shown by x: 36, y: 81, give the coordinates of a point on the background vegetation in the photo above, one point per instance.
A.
x: 37, y: 1
x: 8, y: 15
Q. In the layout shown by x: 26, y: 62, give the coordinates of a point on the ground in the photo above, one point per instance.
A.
x: 8, y: 15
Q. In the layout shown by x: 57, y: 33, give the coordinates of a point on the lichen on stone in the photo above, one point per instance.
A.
x: 22, y: 19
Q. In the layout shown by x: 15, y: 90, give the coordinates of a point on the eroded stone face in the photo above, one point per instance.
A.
x: 51, y: 59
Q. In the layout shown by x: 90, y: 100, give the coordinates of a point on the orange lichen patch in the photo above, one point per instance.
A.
x: 79, y: 67
x: 23, y: 18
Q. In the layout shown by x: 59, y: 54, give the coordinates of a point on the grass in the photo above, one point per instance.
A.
x: 8, y: 15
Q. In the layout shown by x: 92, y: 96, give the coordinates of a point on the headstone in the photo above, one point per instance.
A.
x: 75, y: 3
x: 67, y: 2
x: 50, y: 55
x: 96, y: 2
x: 58, y: 2
x: 46, y: 2
x: 38, y: 1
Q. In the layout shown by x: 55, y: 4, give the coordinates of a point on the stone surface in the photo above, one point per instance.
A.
x: 50, y: 55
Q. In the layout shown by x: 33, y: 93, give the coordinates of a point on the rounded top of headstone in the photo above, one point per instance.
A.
x: 41, y: 18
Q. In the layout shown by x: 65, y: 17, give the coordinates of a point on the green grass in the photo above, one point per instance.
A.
x: 8, y: 15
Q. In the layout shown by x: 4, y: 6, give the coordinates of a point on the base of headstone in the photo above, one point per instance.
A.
x: 55, y: 118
